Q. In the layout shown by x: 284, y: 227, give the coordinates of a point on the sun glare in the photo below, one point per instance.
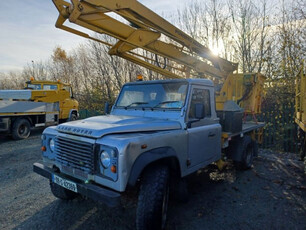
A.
x: 217, y: 49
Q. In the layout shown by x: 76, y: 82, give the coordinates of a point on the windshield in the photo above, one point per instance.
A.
x: 50, y: 87
x: 157, y: 95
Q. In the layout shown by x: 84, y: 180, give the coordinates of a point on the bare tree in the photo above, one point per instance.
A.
x: 250, y: 33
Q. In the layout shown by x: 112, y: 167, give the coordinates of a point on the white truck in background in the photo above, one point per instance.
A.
x: 40, y: 104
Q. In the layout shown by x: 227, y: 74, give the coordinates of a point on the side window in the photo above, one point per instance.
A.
x: 50, y: 87
x: 200, y: 96
x: 68, y: 89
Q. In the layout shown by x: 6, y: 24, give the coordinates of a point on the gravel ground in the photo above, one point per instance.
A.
x: 272, y: 195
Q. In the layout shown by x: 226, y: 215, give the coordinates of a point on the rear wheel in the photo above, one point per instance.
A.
x: 247, y: 155
x: 21, y: 129
x: 302, y: 138
x: 302, y: 141
x: 153, y: 199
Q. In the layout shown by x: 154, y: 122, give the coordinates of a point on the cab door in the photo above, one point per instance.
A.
x: 204, y: 135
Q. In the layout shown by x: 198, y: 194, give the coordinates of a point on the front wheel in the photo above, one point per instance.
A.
x: 153, y: 199
x: 73, y: 117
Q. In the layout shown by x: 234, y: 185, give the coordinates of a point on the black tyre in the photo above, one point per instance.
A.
x: 21, y: 129
x: 153, y: 199
x: 302, y: 137
x: 247, y: 154
x: 302, y: 142
x: 305, y: 165
x: 255, y: 148
x: 62, y: 193
x: 73, y: 117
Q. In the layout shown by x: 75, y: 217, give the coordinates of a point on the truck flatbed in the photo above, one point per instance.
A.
x: 25, y: 107
x: 15, y: 94
x: 246, y: 128
x: 250, y: 126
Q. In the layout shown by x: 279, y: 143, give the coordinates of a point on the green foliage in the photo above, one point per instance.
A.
x: 94, y: 100
x: 84, y: 113
x: 280, y: 130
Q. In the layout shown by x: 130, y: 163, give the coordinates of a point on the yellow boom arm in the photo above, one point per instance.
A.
x: 143, y: 32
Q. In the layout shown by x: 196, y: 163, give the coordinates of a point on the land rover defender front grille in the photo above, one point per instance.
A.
x: 75, y: 154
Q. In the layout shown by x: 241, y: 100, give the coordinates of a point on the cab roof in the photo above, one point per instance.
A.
x: 48, y: 82
x: 194, y: 81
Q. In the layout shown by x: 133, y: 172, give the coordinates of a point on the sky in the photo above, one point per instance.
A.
x: 27, y: 30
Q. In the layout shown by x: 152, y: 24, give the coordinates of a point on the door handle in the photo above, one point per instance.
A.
x: 211, y: 134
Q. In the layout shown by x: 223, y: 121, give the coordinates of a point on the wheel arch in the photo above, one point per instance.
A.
x: 164, y: 155
x: 28, y: 118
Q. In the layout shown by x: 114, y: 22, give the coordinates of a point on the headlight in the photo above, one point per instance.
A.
x: 105, y: 159
x: 52, y: 145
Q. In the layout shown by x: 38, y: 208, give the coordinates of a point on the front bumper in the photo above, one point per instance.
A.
x: 106, y: 196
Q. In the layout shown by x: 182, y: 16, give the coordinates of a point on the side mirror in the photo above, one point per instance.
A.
x: 71, y: 93
x: 106, y: 108
x: 199, y: 111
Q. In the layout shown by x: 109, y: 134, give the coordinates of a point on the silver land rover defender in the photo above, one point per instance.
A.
x: 156, y: 130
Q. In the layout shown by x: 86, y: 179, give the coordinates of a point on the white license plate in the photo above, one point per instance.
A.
x: 65, y: 183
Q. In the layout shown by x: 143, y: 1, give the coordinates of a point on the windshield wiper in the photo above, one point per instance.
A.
x: 136, y: 103
x: 164, y: 102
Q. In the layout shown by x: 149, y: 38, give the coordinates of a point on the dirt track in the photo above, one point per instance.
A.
x: 272, y: 195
